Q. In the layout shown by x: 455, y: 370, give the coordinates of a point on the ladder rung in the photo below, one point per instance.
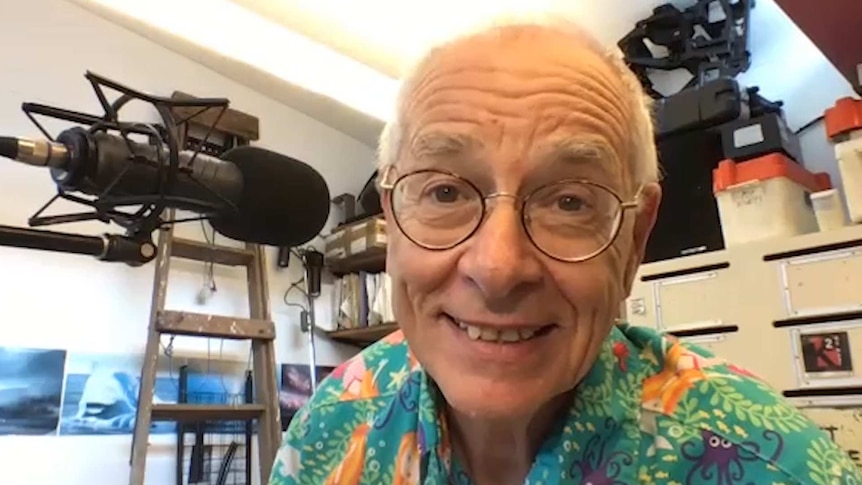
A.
x: 216, y: 326
x: 199, y: 251
x: 206, y: 412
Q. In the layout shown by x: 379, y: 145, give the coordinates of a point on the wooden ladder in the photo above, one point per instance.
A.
x: 259, y: 329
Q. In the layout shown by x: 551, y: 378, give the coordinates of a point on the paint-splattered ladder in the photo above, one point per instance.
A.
x: 259, y: 329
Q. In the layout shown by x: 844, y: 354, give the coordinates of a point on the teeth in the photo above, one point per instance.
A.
x: 510, y: 336
x: 493, y: 335
x: 490, y: 335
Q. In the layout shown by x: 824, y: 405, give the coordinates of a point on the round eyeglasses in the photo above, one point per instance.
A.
x: 569, y: 220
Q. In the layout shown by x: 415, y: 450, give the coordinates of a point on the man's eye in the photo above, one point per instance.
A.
x: 444, y: 193
x: 570, y: 203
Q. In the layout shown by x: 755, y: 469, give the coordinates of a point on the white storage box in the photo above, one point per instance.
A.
x: 765, y: 198
x: 849, y: 155
x: 829, y: 210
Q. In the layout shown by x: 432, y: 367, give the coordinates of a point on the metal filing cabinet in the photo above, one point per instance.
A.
x: 789, y: 310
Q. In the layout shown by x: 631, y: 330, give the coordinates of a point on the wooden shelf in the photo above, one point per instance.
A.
x: 372, y: 261
x: 364, y: 335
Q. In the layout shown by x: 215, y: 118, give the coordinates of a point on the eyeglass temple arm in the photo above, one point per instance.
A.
x: 635, y: 202
x: 385, y: 180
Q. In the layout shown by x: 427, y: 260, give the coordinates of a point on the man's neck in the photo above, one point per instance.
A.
x: 501, y: 452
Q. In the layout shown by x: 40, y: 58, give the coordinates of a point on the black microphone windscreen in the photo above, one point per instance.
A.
x: 8, y: 147
x: 284, y: 202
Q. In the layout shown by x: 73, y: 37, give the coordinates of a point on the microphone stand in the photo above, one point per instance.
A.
x: 108, y: 247
x: 308, y: 325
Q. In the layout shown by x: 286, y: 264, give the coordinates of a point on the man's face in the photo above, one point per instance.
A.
x: 498, y: 114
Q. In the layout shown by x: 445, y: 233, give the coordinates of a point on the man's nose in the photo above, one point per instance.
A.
x: 500, y: 260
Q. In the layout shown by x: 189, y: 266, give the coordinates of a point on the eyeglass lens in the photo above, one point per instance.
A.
x: 566, y: 220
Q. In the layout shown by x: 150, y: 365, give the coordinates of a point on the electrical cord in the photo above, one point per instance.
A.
x: 809, y: 125
x: 209, y: 267
x: 296, y: 285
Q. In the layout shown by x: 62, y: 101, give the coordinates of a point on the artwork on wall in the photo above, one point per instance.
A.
x: 295, y: 388
x: 217, y: 382
x: 101, y: 395
x: 46, y: 392
x: 31, y: 385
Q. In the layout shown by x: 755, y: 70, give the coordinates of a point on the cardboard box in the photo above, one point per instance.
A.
x: 356, y: 238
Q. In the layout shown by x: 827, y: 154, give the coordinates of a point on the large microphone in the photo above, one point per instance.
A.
x: 249, y: 194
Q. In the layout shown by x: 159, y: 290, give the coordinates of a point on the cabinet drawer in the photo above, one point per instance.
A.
x: 692, y: 300
x: 823, y: 283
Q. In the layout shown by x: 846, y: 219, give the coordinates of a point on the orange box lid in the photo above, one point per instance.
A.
x: 845, y: 116
x: 730, y: 173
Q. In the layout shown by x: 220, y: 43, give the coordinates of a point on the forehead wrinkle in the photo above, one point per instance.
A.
x: 589, y: 94
x: 527, y: 81
x: 574, y: 132
x: 566, y: 107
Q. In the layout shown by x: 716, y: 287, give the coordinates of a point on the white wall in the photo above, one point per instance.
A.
x: 49, y: 300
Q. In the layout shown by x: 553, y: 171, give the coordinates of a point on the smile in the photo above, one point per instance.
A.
x: 499, y: 333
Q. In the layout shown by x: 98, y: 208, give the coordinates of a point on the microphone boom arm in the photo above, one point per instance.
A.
x: 109, y: 247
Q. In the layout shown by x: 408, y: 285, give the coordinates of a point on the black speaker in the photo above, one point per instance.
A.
x: 688, y: 221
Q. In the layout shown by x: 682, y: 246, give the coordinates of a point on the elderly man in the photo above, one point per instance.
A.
x: 519, y: 185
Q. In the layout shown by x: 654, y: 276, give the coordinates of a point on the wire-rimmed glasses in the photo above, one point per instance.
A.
x: 570, y: 220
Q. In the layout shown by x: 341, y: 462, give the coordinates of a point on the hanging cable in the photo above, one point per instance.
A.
x: 209, y: 284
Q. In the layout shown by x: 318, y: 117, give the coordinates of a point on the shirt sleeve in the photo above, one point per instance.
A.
x: 793, y: 451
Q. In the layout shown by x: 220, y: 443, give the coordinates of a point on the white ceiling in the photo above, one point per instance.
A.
x: 387, y: 34
x: 384, y: 34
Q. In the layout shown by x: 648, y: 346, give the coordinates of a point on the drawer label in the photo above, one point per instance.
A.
x: 826, y: 352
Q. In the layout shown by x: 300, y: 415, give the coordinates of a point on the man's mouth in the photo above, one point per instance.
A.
x: 504, y: 334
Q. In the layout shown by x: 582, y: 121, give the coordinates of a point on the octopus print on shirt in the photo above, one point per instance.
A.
x: 652, y: 410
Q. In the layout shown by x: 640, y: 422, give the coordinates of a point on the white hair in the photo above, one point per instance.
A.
x: 643, y: 165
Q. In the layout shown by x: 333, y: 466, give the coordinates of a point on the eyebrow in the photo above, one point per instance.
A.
x: 437, y: 143
x: 577, y: 149
x: 579, y: 152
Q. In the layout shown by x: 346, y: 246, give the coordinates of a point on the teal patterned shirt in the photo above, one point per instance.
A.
x: 652, y: 410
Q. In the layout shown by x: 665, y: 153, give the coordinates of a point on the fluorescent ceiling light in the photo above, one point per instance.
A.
x: 237, y: 33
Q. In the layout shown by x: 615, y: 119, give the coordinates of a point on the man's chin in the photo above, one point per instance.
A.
x: 493, y: 399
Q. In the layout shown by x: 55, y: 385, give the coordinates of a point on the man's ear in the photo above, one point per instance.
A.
x: 645, y: 218
x: 385, y: 203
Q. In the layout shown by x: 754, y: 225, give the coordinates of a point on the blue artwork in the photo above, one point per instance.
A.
x: 31, y: 384
x: 217, y: 383
x: 101, y: 395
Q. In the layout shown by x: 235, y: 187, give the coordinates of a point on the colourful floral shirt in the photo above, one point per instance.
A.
x: 651, y: 410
